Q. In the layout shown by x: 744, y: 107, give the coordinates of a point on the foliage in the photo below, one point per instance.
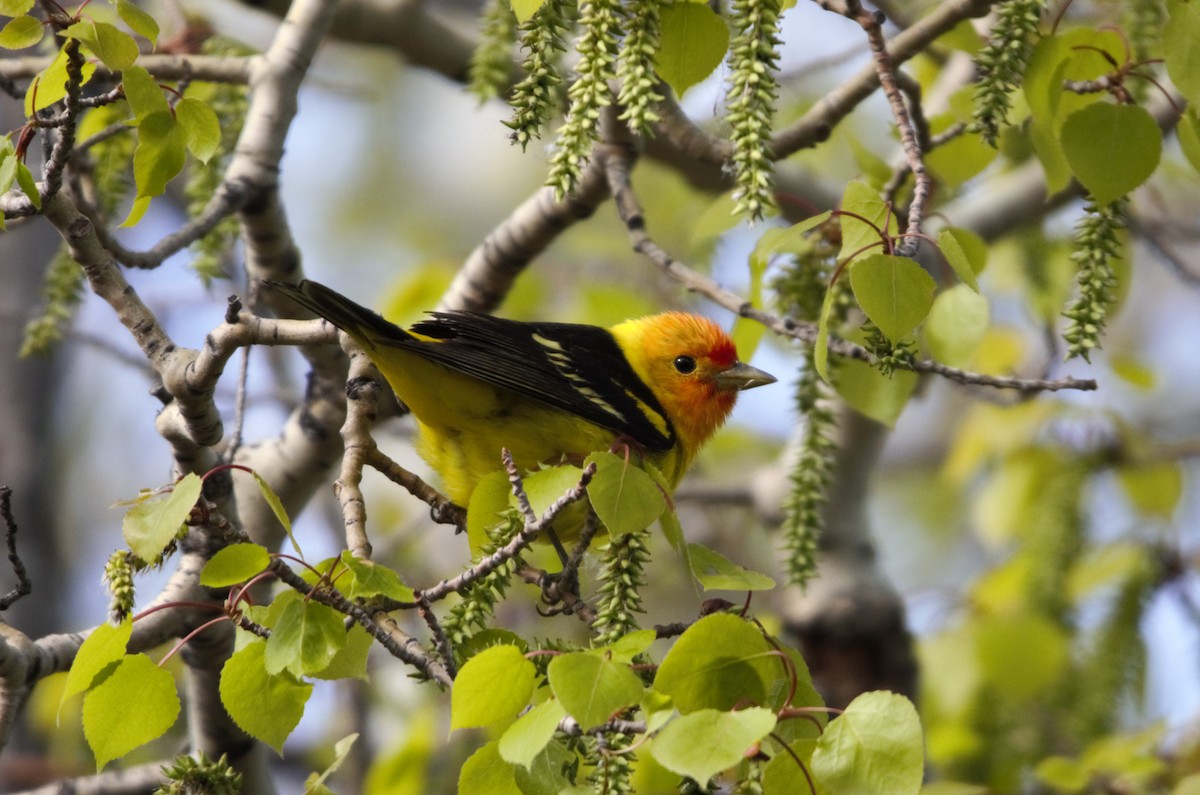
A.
x: 1034, y: 672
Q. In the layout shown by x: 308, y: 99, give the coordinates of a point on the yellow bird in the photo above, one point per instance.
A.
x: 549, y: 392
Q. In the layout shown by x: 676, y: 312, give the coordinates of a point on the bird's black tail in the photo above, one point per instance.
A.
x: 355, y: 319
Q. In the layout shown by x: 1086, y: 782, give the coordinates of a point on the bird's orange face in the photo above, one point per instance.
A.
x: 691, y: 365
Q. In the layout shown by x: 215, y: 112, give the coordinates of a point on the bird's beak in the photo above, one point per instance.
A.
x: 743, y: 376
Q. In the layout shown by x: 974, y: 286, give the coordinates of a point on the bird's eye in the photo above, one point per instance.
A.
x: 684, y: 365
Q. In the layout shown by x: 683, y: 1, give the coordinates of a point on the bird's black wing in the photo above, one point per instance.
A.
x: 579, y: 369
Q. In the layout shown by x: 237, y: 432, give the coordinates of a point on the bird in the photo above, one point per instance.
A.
x: 548, y: 392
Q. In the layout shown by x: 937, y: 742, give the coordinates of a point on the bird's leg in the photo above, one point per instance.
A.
x: 627, y: 447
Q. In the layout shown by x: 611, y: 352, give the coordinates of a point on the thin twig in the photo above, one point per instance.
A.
x: 872, y: 25
x: 617, y: 160
x: 24, y: 585
x: 534, y: 525
x: 399, y: 644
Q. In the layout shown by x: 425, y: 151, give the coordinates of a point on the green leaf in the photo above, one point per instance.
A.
x: 821, y: 346
x: 720, y: 662
x: 1188, y: 132
x: 874, y: 746
x: 625, y: 498
x: 15, y: 8
x: 486, y: 772
x: 784, y: 775
x: 956, y: 325
x: 787, y: 239
x: 1103, y: 566
x: 716, y: 572
x: 874, y: 168
x: 857, y: 235
x: 8, y: 172
x: 693, y: 41
x: 525, y: 9
x: 1021, y: 654
x: 531, y: 733
x: 669, y: 520
x: 895, y: 292
x: 159, y: 156
x: 201, y: 129
x: 371, y: 579
x: 1062, y: 774
x: 626, y: 647
x: 592, y: 688
x: 547, y: 774
x: 1179, y: 37
x: 143, y: 94
x: 234, y: 564
x: 265, y: 706
x: 488, y: 502
x: 1189, y: 785
x: 51, y: 85
x: 149, y: 526
x: 544, y: 487
x: 277, y: 508
x: 1154, y: 489
x: 115, y: 48
x: 1047, y: 144
x: 491, y: 688
x: 966, y: 253
x: 702, y: 744
x: 99, y: 650
x: 1112, y: 149
x: 135, y: 704
x: 341, y: 750
x: 716, y: 219
x: 28, y: 185
x: 138, y: 21
x: 873, y: 394
x: 960, y: 159
x: 350, y: 662
x: 137, y: 209
x: 21, y: 32
x: 305, y: 638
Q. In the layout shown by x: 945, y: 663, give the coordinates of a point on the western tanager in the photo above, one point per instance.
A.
x: 548, y: 392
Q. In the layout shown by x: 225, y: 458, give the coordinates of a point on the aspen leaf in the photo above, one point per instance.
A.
x: 1112, y: 149
x: 703, y: 743
x: 895, y: 292
x: 879, y: 749
x: 693, y: 41
x: 265, y: 706
x: 135, y: 704
x: 21, y: 32
x: 491, y: 688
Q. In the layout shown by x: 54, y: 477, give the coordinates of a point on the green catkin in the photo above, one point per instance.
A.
x: 750, y: 102
x: 598, y: 45
x: 1097, y: 246
x: 804, y: 510
x: 118, y: 577
x: 533, y: 99
x: 63, y: 290
x: 492, y: 58
x: 635, y: 68
x: 800, y: 291
x: 622, y: 574
x: 612, y: 771
x: 1001, y: 64
x: 191, y: 776
x: 478, y: 603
